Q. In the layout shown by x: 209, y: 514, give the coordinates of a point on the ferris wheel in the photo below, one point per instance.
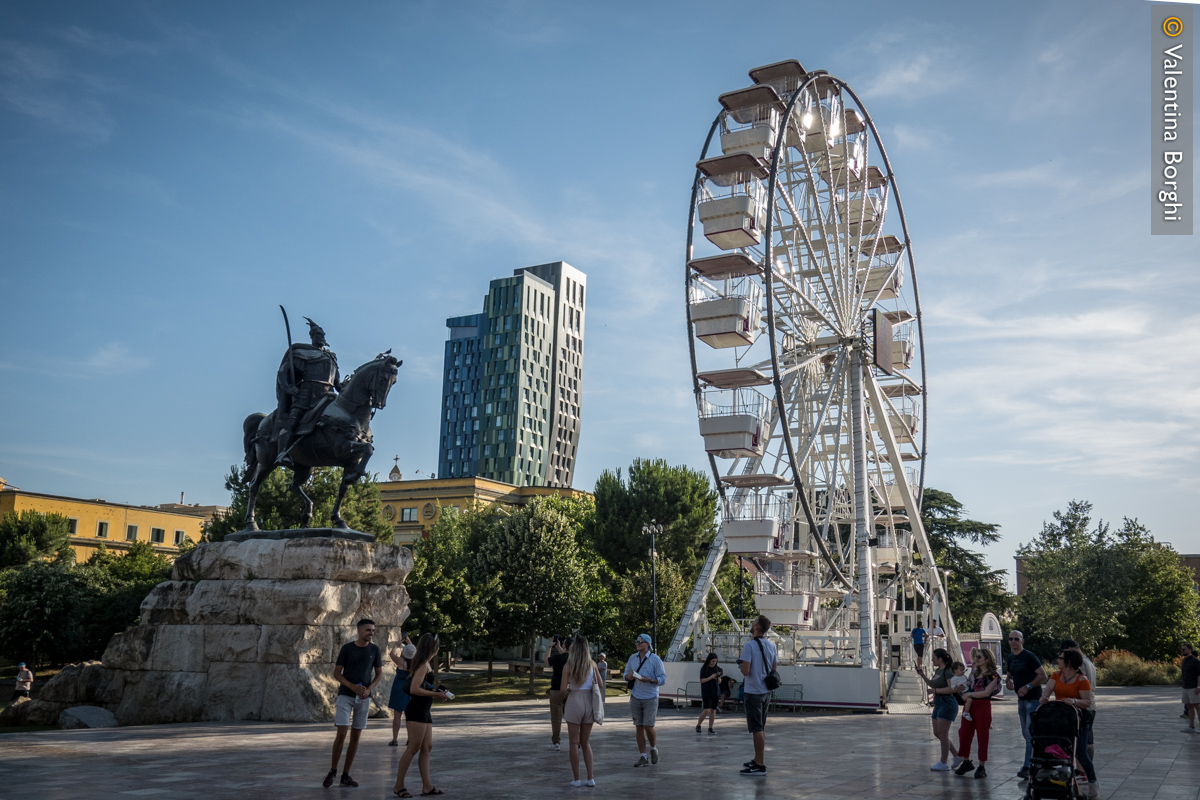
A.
x: 808, y: 364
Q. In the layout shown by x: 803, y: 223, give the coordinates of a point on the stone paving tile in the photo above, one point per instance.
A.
x: 499, y: 751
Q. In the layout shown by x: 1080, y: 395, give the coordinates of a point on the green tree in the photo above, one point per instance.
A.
x: 679, y: 498
x: 59, y: 611
x: 32, y: 535
x: 1106, y: 589
x: 1163, y: 612
x: 444, y: 596
x: 972, y: 587
x: 278, y: 507
x: 545, y: 576
x: 41, y: 605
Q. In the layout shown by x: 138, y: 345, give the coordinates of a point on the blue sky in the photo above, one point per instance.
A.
x: 171, y: 173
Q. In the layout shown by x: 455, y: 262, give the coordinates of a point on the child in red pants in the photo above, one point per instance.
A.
x: 986, y: 683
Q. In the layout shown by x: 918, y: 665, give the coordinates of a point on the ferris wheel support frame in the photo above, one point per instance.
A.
x: 866, y: 588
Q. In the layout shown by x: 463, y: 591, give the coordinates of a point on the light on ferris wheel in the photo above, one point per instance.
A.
x: 806, y: 119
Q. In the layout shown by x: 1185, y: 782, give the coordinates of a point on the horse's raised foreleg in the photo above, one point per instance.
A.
x: 300, y: 475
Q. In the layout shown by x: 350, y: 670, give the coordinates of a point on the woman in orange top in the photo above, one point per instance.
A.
x: 1071, y: 686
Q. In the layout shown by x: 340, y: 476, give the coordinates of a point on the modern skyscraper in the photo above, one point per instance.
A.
x: 511, y: 384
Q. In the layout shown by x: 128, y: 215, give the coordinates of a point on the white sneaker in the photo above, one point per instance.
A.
x: 554, y: 746
x: 1189, y: 730
x: 957, y: 760
x: 590, y: 782
x: 577, y: 784
x: 940, y: 766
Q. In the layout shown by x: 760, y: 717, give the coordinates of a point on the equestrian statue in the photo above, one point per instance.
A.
x: 321, y: 420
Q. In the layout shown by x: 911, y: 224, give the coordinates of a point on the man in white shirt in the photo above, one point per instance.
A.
x: 757, y: 661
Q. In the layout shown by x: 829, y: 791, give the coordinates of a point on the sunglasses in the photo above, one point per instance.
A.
x: 1014, y: 638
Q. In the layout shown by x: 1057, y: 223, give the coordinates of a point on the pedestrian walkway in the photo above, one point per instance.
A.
x: 498, y: 750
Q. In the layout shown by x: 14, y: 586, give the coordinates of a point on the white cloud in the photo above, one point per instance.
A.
x: 36, y: 82
x: 115, y: 359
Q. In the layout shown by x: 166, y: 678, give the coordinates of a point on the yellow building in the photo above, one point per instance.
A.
x: 116, y: 526
x: 412, y: 507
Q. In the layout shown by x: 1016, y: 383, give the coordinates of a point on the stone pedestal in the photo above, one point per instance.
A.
x: 245, y: 630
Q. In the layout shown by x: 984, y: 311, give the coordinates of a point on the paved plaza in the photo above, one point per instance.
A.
x: 499, y: 750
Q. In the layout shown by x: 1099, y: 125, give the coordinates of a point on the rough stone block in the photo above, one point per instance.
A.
x: 24, y: 711
x: 167, y: 603
x: 130, y: 650
x: 216, y: 602
x: 231, y: 642
x: 86, y: 717
x: 386, y: 604
x: 179, y: 648
x: 299, y: 694
x: 296, y: 644
x: 234, y: 691
x: 300, y: 602
x: 152, y: 698
x: 74, y: 683
x: 341, y: 560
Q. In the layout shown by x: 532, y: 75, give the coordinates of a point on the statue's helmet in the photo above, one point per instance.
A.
x: 315, y: 331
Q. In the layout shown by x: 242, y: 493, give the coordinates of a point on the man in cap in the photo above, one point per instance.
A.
x: 24, y: 681
x: 644, y: 673
x: 308, y: 379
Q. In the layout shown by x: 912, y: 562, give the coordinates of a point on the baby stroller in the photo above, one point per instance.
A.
x: 1054, y: 730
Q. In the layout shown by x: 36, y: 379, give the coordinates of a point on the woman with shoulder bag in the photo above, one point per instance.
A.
x: 985, y: 682
x: 945, y: 707
x: 419, y: 687
x: 585, y: 706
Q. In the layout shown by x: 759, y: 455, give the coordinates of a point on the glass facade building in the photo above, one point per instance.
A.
x: 511, y: 381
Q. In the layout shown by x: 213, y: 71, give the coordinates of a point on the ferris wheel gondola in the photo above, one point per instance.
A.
x: 808, y: 362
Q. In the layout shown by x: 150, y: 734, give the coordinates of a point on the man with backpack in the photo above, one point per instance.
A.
x: 758, y: 663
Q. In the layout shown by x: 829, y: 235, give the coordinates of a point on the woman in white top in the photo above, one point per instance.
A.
x: 581, y: 677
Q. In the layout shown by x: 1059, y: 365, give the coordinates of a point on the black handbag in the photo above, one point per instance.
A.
x: 772, y: 681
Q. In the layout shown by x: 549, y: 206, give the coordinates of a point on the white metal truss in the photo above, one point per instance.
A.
x: 808, y: 362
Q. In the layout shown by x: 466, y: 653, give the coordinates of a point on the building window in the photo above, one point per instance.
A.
x: 72, y: 526
x: 101, y: 530
x: 131, y: 533
x: 158, y: 535
x: 179, y: 537
x: 408, y: 515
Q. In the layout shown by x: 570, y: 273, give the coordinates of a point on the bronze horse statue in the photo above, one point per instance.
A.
x: 338, y: 436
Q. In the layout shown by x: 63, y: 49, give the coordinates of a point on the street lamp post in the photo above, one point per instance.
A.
x: 653, y: 529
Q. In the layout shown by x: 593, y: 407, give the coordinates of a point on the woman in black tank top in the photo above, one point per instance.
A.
x: 418, y: 716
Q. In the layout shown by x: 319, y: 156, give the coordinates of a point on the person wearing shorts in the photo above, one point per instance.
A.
x: 645, y: 672
x: 359, y: 667
x: 945, y: 708
x: 710, y: 676
x: 918, y: 639
x: 757, y: 661
x: 398, y: 699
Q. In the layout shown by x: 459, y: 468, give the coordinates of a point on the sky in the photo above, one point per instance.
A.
x: 171, y: 173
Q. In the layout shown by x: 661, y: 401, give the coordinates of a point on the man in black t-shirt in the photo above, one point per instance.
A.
x: 359, y: 667
x: 1025, y: 675
x: 556, y: 659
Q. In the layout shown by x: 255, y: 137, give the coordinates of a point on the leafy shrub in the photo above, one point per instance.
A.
x: 1122, y: 668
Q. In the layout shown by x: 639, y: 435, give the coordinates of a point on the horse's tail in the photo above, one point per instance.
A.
x: 249, y: 434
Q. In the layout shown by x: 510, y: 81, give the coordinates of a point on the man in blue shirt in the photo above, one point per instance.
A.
x: 918, y: 637
x: 646, y: 671
x: 757, y: 661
